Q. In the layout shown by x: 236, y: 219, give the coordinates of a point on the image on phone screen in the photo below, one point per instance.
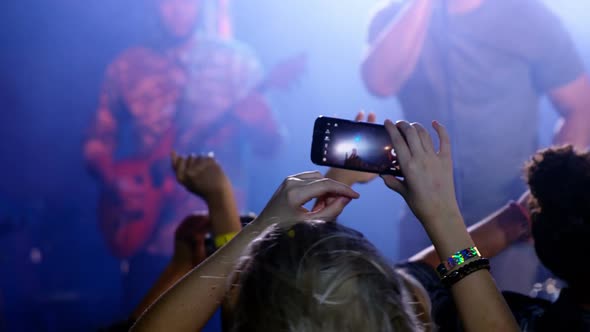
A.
x: 353, y: 145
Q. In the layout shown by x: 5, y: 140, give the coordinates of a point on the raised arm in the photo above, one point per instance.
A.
x: 396, y: 36
x: 428, y: 189
x: 190, y: 303
x: 204, y: 177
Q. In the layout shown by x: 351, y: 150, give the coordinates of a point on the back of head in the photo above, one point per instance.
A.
x: 318, y: 276
x: 559, y: 179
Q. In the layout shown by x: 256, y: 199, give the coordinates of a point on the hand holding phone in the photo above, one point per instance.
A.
x: 357, y: 146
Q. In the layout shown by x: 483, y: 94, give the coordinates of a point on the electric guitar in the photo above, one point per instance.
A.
x: 130, y: 208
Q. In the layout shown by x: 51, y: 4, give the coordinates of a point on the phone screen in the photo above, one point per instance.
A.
x: 353, y: 145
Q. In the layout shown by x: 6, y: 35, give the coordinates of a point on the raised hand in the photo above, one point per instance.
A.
x: 286, y: 205
x: 427, y: 186
x: 200, y: 175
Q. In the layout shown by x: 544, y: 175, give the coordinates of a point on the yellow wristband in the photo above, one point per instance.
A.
x: 223, y: 239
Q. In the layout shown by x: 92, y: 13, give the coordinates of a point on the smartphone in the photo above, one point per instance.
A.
x: 357, y: 146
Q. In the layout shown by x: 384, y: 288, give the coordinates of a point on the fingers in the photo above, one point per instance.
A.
x: 445, y: 140
x: 190, y: 165
x: 331, y: 210
x: 318, y: 188
x: 395, y: 184
x: 399, y: 143
x: 425, y: 138
x: 411, y: 135
x: 360, y: 116
x: 180, y: 169
x: 175, y: 159
x: 308, y: 175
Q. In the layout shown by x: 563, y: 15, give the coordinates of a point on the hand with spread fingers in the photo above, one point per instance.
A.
x: 201, y: 175
x: 427, y: 185
x: 286, y: 205
x: 352, y: 177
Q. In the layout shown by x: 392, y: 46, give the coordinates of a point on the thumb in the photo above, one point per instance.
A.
x: 332, y: 210
x: 174, y: 158
x: 395, y: 184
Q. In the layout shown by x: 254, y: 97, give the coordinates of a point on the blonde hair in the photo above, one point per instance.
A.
x: 318, y: 276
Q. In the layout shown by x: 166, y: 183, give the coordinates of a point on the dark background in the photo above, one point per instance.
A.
x: 55, y: 272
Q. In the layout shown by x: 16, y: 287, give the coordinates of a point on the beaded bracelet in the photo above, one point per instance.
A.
x: 458, y: 258
x: 465, y: 270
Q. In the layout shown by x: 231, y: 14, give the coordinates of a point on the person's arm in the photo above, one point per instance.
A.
x: 190, y: 303
x: 396, y: 37
x: 492, y: 234
x: 572, y: 101
x: 204, y: 177
x: 189, y: 251
x: 428, y: 189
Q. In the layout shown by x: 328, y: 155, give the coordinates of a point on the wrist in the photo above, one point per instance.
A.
x: 217, y: 195
x: 449, y: 235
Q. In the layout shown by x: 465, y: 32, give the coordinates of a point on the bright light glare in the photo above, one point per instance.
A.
x: 347, y: 146
x: 343, y: 148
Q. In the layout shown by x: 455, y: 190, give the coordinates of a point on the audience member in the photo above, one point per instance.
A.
x: 558, y: 179
x: 205, y: 178
x: 342, y: 299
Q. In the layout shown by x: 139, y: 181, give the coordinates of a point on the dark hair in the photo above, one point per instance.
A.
x: 319, y: 276
x: 559, y: 180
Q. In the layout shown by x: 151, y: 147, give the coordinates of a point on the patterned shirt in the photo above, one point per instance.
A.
x: 187, y: 93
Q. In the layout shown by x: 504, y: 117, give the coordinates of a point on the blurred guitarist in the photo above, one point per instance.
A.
x: 193, y: 91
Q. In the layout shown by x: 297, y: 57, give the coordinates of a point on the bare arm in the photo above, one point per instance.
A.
x: 428, y: 189
x: 189, y: 304
x: 395, y: 44
x: 206, y: 179
x: 491, y: 235
x: 573, y: 103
